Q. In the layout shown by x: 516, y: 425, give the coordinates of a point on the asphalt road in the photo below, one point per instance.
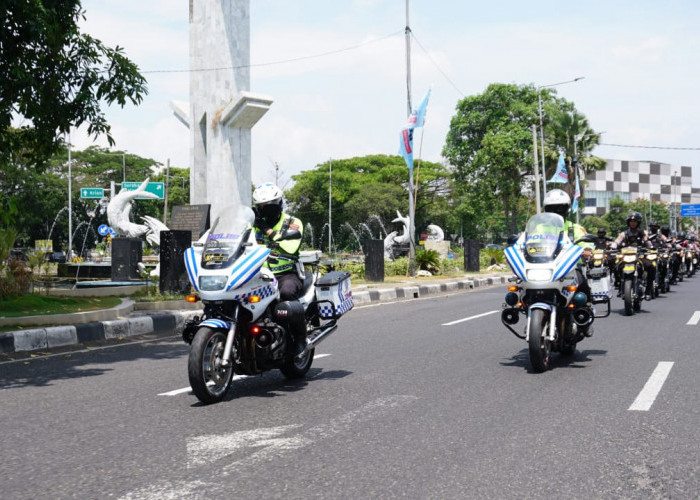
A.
x: 398, y: 403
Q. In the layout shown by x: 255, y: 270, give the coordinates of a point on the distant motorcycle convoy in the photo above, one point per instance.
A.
x: 564, y: 279
x: 563, y: 282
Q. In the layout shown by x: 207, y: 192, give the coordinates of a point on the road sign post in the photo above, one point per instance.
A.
x: 157, y: 188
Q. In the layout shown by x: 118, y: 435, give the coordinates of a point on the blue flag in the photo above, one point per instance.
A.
x: 561, y: 175
x: 577, y: 195
x: 416, y: 120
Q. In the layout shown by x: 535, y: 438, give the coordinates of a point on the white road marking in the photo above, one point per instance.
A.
x: 235, y: 377
x: 694, y: 318
x: 469, y: 318
x: 652, y: 388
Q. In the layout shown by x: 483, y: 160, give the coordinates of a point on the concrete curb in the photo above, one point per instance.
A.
x: 90, y: 327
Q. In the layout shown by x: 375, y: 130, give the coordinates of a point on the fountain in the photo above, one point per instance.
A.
x: 310, y: 231
x: 320, y: 243
x: 364, y: 227
x: 375, y: 217
x: 354, y: 233
x: 54, y: 221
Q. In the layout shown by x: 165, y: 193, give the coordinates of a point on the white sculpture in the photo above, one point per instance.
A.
x: 435, y: 233
x: 118, y: 212
x: 394, y: 237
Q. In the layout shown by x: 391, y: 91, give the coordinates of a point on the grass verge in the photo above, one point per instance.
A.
x: 39, y: 305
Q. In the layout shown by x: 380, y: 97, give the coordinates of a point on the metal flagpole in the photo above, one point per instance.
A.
x: 330, y: 192
x: 70, y: 206
x: 411, y: 207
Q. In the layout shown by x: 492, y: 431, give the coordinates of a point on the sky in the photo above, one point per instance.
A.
x: 639, y: 60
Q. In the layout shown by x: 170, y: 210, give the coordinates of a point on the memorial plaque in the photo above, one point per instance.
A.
x: 173, y: 273
x: 193, y: 218
x: 126, y: 254
x: 374, y: 260
x: 471, y: 255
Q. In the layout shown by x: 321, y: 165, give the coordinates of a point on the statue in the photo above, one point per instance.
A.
x: 393, y: 239
x: 435, y: 233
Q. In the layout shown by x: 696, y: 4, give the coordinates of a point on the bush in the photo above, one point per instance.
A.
x: 398, y: 267
x: 428, y: 260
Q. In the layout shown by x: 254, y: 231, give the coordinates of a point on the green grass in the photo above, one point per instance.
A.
x: 38, y: 305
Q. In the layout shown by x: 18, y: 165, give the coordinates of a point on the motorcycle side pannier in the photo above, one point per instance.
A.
x: 333, y: 294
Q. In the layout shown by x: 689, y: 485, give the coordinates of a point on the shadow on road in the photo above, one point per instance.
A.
x: 522, y: 359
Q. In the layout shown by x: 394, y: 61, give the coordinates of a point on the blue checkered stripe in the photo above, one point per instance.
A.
x: 325, y: 310
x: 264, y: 292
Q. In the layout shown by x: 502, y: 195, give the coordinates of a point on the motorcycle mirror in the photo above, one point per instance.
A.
x: 294, y: 234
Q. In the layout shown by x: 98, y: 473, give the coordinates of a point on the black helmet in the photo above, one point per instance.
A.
x: 681, y: 235
x: 665, y: 230
x: 634, y: 216
x: 653, y: 223
x: 601, y: 232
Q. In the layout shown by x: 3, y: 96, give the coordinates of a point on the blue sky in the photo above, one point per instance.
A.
x: 639, y: 60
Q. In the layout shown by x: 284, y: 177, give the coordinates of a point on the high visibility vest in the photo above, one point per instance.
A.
x: 289, y: 247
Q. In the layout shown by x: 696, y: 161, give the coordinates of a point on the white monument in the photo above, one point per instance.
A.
x: 222, y: 110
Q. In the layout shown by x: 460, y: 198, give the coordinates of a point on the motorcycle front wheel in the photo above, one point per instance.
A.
x: 539, y: 346
x: 627, y: 296
x: 209, y: 379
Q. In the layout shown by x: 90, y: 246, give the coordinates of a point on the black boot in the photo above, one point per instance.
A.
x: 649, y: 294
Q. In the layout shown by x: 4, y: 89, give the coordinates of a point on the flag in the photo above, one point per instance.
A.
x: 561, y: 175
x: 577, y: 195
x: 417, y: 119
x: 406, y: 147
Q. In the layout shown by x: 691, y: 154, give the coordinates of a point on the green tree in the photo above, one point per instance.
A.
x: 364, y: 187
x: 489, y: 145
x: 57, y: 77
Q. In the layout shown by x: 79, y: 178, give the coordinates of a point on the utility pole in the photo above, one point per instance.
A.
x: 330, y: 196
x: 411, y: 207
x: 167, y: 177
x: 70, y: 205
x: 536, y: 169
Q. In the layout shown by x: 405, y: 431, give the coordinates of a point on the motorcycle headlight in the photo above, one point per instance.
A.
x: 212, y: 283
x: 539, y: 275
x: 629, y: 258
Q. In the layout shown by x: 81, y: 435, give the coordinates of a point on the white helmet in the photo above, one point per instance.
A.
x: 267, y: 194
x: 558, y: 202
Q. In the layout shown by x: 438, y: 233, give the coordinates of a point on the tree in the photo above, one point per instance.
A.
x: 489, y: 145
x: 56, y: 77
x: 364, y: 188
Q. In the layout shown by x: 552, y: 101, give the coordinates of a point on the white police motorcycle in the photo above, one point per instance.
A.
x: 245, y: 328
x: 546, y: 290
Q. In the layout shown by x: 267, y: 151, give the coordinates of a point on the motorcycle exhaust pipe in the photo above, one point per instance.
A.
x: 510, y: 316
x: 583, y: 317
x: 321, y: 336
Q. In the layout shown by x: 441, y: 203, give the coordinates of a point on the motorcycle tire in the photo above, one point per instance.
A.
x: 295, y: 367
x: 627, y: 297
x: 209, y: 380
x: 540, y: 347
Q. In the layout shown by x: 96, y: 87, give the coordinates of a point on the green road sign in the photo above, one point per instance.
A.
x: 157, y: 188
x: 96, y: 193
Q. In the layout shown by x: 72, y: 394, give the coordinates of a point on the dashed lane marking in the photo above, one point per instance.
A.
x: 469, y: 318
x: 694, y: 319
x: 652, y: 388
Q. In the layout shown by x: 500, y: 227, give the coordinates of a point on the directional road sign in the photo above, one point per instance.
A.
x: 96, y: 193
x: 157, y: 188
x: 690, y: 210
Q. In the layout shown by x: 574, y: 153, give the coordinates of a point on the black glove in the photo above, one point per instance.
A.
x: 260, y: 221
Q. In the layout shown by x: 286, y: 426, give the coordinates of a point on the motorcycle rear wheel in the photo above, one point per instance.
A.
x: 209, y: 379
x: 540, y: 347
x: 297, y: 366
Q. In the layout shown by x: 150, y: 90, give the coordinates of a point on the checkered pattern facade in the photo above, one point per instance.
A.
x: 632, y: 180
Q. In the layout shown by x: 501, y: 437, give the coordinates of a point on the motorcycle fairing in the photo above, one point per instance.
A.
x: 246, y: 267
x: 192, y: 268
x: 569, y: 259
x: 515, y: 261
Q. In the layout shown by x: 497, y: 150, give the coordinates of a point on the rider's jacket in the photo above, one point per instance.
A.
x: 602, y: 242
x: 288, y: 249
x: 629, y: 238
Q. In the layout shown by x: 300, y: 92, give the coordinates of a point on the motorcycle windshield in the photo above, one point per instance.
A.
x: 543, y: 235
x: 227, y: 238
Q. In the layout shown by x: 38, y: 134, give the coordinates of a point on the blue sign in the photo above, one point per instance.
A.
x: 103, y: 230
x: 690, y: 210
x: 113, y: 232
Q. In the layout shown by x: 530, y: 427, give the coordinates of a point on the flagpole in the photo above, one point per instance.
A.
x: 411, y: 206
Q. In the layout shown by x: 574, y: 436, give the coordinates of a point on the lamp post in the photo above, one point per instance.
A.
x: 539, y: 106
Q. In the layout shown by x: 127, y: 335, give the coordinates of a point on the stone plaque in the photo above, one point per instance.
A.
x: 126, y: 254
x: 193, y: 218
x: 173, y: 274
x: 374, y: 260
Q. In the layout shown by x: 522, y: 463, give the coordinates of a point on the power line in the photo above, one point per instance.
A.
x: 437, y: 66
x: 650, y: 147
x: 283, y: 61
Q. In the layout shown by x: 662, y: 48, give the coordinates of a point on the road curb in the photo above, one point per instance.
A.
x: 152, y: 320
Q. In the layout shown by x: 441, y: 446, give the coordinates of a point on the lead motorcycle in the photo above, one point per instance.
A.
x: 245, y: 328
x: 546, y: 290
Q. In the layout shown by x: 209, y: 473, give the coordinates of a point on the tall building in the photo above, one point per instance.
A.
x: 632, y: 180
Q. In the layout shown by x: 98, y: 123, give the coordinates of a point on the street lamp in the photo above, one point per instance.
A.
x: 539, y: 105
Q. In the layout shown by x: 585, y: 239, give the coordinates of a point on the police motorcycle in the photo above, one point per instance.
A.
x: 633, y: 277
x: 546, y: 290
x: 245, y: 329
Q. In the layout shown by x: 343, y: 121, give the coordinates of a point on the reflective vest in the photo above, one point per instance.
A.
x: 289, y: 247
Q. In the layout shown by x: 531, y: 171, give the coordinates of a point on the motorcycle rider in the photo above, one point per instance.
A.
x: 558, y: 202
x: 271, y: 226
x: 674, y: 260
x: 602, y: 241
x: 635, y: 236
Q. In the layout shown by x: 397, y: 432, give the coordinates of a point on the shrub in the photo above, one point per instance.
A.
x: 428, y: 260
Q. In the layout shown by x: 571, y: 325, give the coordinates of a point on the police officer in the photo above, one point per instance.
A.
x: 635, y: 236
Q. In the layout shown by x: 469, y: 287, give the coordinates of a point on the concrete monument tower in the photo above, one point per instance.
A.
x: 222, y: 110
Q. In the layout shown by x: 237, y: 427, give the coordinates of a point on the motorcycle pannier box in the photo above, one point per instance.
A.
x: 333, y: 294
